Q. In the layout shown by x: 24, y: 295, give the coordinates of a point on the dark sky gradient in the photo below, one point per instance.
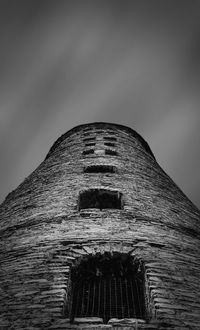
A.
x: 65, y: 63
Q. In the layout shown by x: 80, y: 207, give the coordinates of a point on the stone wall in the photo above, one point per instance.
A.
x: 43, y: 233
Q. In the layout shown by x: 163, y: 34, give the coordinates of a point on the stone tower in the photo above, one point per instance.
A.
x: 99, y: 237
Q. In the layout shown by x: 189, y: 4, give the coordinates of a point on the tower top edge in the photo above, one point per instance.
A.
x: 103, y: 125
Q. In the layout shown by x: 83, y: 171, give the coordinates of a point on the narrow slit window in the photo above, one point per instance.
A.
x: 89, y: 139
x: 100, y: 199
x: 110, y: 138
x: 109, y: 144
x: 88, y: 152
x: 107, y: 286
x: 90, y: 144
x: 110, y: 152
x: 99, y: 169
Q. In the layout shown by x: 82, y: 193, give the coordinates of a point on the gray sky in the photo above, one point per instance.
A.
x: 65, y: 63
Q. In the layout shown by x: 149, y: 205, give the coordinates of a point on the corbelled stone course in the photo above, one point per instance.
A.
x: 44, y: 234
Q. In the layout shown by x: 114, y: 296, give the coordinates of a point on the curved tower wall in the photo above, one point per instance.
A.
x: 44, y: 233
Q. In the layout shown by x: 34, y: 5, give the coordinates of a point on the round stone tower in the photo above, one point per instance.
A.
x: 99, y: 237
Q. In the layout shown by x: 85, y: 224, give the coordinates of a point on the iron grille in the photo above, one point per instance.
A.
x: 113, y: 297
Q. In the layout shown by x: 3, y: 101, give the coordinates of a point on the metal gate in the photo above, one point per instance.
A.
x: 110, y: 297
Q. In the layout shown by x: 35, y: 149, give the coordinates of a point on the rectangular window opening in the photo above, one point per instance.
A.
x: 110, y: 138
x: 99, y: 169
x: 110, y: 152
x: 90, y: 144
x: 108, y: 286
x: 88, y: 152
x: 89, y: 139
x: 109, y: 144
x: 100, y: 199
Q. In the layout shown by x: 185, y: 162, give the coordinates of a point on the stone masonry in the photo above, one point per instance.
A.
x: 44, y: 233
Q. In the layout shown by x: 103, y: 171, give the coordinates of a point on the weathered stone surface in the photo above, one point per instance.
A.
x: 43, y: 233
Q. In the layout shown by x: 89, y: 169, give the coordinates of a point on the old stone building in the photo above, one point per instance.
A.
x: 99, y: 237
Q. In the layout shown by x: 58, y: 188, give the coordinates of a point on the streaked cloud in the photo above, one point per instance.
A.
x: 64, y: 63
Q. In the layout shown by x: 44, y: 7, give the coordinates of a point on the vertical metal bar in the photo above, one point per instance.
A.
x: 93, y: 298
x: 110, y: 297
x: 116, y: 298
x: 71, y: 307
x: 138, y: 296
x: 76, y: 299
x: 127, y: 300
x: 122, y: 307
x: 133, y: 300
x: 83, y: 299
x: 99, y: 298
x: 88, y: 299
x: 104, y: 300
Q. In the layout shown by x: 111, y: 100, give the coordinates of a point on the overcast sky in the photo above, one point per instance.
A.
x: 65, y: 63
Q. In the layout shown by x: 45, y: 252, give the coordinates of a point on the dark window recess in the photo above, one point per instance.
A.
x: 99, y: 169
x: 110, y: 152
x: 109, y: 144
x: 110, y: 138
x: 88, y: 152
x: 100, y: 199
x: 89, y: 139
x: 90, y: 144
x: 107, y: 286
